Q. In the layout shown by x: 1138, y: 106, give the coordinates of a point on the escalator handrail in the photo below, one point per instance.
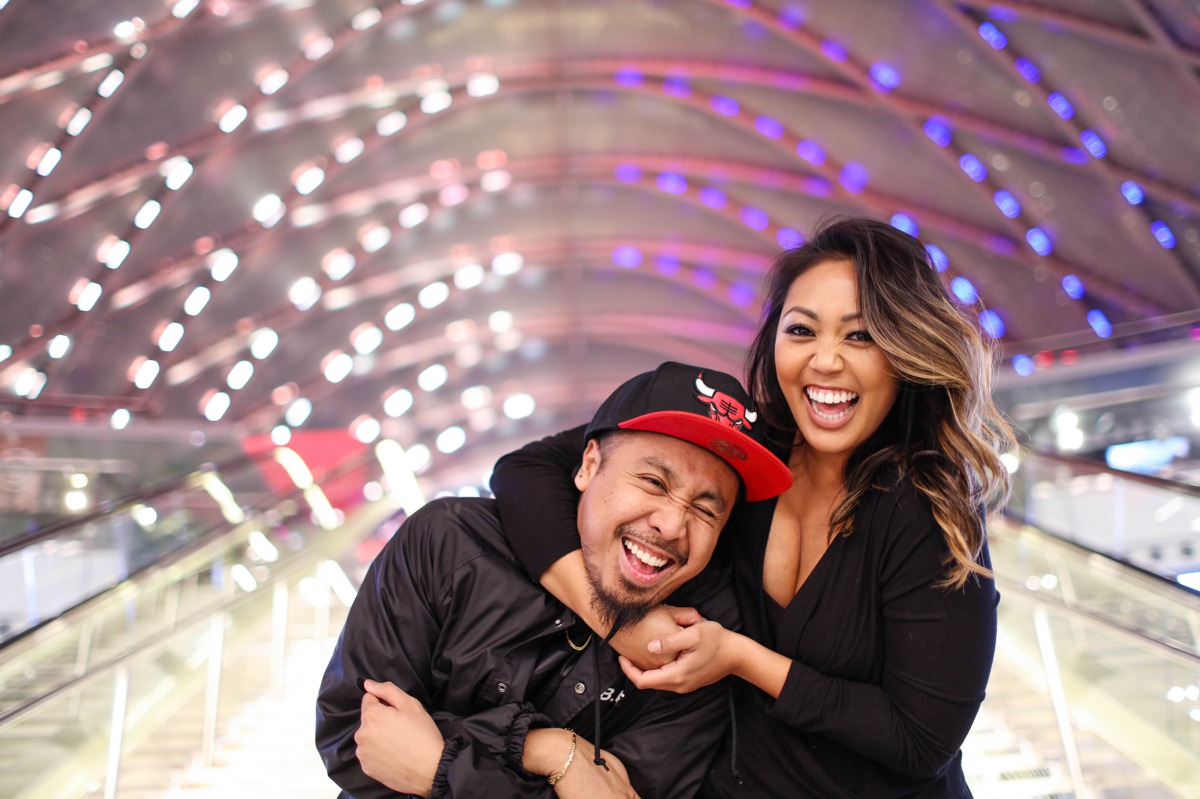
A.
x: 1093, y: 466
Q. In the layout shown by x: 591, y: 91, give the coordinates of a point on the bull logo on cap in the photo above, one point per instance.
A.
x: 724, y: 408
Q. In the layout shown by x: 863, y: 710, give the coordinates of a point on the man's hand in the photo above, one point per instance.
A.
x: 547, y: 749
x: 398, y: 742
x: 701, y: 653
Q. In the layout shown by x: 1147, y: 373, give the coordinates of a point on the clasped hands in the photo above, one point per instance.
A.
x: 690, y: 653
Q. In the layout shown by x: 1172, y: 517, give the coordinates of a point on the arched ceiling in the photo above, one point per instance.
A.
x: 541, y: 197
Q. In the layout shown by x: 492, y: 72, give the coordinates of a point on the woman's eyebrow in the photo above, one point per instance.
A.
x: 811, y: 314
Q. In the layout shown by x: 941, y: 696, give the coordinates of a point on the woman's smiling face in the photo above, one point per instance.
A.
x: 837, y: 381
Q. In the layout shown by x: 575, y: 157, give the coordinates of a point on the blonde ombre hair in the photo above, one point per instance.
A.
x: 943, y: 433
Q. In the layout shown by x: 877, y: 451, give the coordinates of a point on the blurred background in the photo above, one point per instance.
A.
x: 275, y: 272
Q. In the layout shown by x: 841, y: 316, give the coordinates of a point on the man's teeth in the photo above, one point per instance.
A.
x: 827, y: 397
x: 644, y: 556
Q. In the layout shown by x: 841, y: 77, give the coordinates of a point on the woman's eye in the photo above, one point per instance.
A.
x: 799, y: 330
x: 861, y: 335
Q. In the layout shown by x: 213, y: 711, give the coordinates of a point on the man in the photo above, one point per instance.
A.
x: 490, y: 688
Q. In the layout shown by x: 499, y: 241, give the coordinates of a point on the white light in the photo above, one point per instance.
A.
x: 397, y: 402
x: 391, y: 124
x: 49, y: 160
x: 508, y: 263
x: 482, y: 84
x: 375, y: 238
x: 20, y: 203
x: 29, y: 384
x: 367, y: 340
x: 418, y: 457
x: 338, y: 366
x: 281, y: 434
x: 5, y: 352
x: 496, y: 180
x: 216, y: 406
x: 367, y: 18
x: 78, y: 122
x: 179, y: 169
x: 519, y: 406
x: 372, y: 491
x: 468, y: 491
x: 414, y: 215
x: 1049, y: 582
x: 1189, y: 579
x: 144, y: 377
x: 451, y: 439
x: 298, y: 412
x: 58, y: 346
x: 317, y: 48
x: 433, y: 295
x: 338, y: 263
x: 263, y: 342
x: 273, y: 81
x: 500, y: 321
x: 304, y: 293
x: 399, y: 316
x: 124, y: 29
x: 347, y: 151
x: 196, y: 301
x: 453, y: 195
x: 110, y: 83
x: 222, y: 263
x: 233, y: 118
x: 75, y: 501
x: 119, y: 419
x: 115, y: 253
x: 147, y: 214
x: 469, y: 277
x: 476, y: 397
x: 89, y: 296
x: 438, y: 101
x: 261, y: 546
x: 1066, y: 420
x: 1070, y: 439
x: 366, y: 429
x: 468, y: 356
x: 1011, y: 462
x: 183, y: 8
x: 145, y: 515
x: 96, y: 63
x: 240, y: 375
x: 433, y: 377
x: 308, y: 180
x: 171, y: 336
x: 267, y: 210
x: 78, y: 480
x: 1192, y: 692
x: 242, y: 576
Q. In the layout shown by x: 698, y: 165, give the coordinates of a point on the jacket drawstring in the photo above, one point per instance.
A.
x: 597, y: 759
x: 737, y: 775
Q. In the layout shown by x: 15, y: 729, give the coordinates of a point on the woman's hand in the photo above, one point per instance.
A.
x: 703, y: 652
x: 399, y: 743
x: 634, y: 642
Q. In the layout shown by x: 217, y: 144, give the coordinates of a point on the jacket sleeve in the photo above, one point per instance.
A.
x: 938, y: 645
x: 542, y: 531
x: 391, y: 633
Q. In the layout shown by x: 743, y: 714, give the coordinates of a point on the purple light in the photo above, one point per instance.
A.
x: 905, y: 222
x: 1073, y: 286
x: 1094, y: 144
x: 677, y: 86
x: 1028, y: 70
x: 789, y: 238
x: 712, y: 197
x: 792, y: 16
x: 992, y: 35
x: 964, y: 290
x: 1060, y: 105
x: 1163, y: 233
x: 1133, y: 192
x: 1074, y: 155
x: 769, y: 127
x: 627, y: 256
x: 833, y: 51
x: 1039, y: 241
x: 886, y: 76
x: 974, y: 168
x: 811, y: 152
x: 628, y: 76
x: 1003, y: 14
x: 1099, y: 323
x: 704, y: 279
x: 666, y: 264
x: 941, y: 262
x: 1007, y: 204
x: 726, y: 106
x: 741, y: 294
x: 738, y: 3
x: 854, y: 177
x: 1022, y: 365
x: 938, y: 130
x: 992, y: 324
x: 672, y: 182
x: 628, y: 173
x: 755, y: 218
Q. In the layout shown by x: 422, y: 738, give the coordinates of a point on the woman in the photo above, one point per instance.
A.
x: 869, y: 612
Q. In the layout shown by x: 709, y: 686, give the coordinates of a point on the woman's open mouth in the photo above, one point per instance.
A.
x: 831, y: 405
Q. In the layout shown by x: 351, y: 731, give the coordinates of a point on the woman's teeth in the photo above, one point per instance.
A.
x: 644, y: 556
x: 827, y: 397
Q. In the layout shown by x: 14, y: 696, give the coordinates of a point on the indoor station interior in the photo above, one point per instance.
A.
x: 275, y: 273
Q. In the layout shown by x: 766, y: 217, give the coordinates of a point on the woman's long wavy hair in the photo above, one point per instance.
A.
x: 943, y: 432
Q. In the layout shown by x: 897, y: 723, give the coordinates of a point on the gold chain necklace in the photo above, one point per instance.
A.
x: 575, y: 646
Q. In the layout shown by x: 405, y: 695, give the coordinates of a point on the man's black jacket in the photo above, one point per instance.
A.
x: 446, y: 614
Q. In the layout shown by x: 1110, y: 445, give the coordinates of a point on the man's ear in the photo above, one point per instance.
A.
x: 591, y: 465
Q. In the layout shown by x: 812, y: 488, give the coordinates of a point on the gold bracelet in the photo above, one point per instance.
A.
x: 555, y: 778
